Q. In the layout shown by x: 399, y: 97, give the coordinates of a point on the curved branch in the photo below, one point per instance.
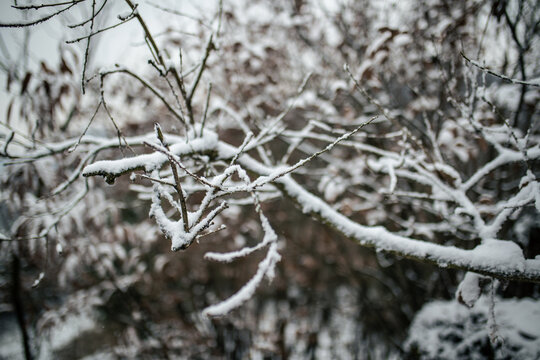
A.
x: 149, y: 86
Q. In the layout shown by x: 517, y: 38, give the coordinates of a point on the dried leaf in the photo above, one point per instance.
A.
x: 46, y: 69
x: 64, y: 68
x: 25, y: 82
x: 8, y: 112
x: 8, y: 81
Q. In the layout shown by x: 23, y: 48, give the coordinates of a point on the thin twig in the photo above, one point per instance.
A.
x: 35, y: 7
x: 39, y: 21
x: 163, y: 74
x: 118, y: 132
x: 172, y: 157
x: 161, y: 181
x: 179, y: 13
x: 159, y: 58
x: 131, y: 17
x: 500, y: 76
x: 311, y: 157
x: 87, y: 49
x: 246, y: 141
x: 178, y: 185
x: 205, y: 112
x: 71, y: 149
x: 209, y: 47
x: 9, y: 139
x: 149, y: 87
x: 90, y: 19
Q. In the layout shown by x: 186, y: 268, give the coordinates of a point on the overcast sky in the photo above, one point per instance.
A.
x: 120, y: 45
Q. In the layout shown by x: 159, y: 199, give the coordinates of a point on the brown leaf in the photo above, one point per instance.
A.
x: 46, y: 69
x: 25, y: 82
x: 47, y: 88
x: 64, y: 89
x: 8, y: 81
x: 64, y: 68
x: 8, y: 113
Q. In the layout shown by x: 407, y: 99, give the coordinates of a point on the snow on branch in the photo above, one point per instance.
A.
x: 496, y: 258
x: 191, y: 225
x: 246, y: 292
x: 266, y: 266
x: 111, y: 169
x: 491, y: 260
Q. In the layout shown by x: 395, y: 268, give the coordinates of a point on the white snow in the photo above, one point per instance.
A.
x: 150, y: 162
x: 448, y: 330
x: 496, y: 257
x: 246, y: 292
x: 469, y: 289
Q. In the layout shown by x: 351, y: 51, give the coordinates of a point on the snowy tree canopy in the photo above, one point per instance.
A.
x: 411, y: 132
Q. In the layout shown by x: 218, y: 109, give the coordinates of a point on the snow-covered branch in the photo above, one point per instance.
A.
x: 496, y: 258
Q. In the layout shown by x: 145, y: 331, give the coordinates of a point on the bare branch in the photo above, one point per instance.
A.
x: 35, y: 7
x: 39, y: 21
x: 500, y: 76
x: 178, y: 185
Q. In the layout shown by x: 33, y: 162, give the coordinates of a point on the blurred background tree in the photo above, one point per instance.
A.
x: 450, y: 159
